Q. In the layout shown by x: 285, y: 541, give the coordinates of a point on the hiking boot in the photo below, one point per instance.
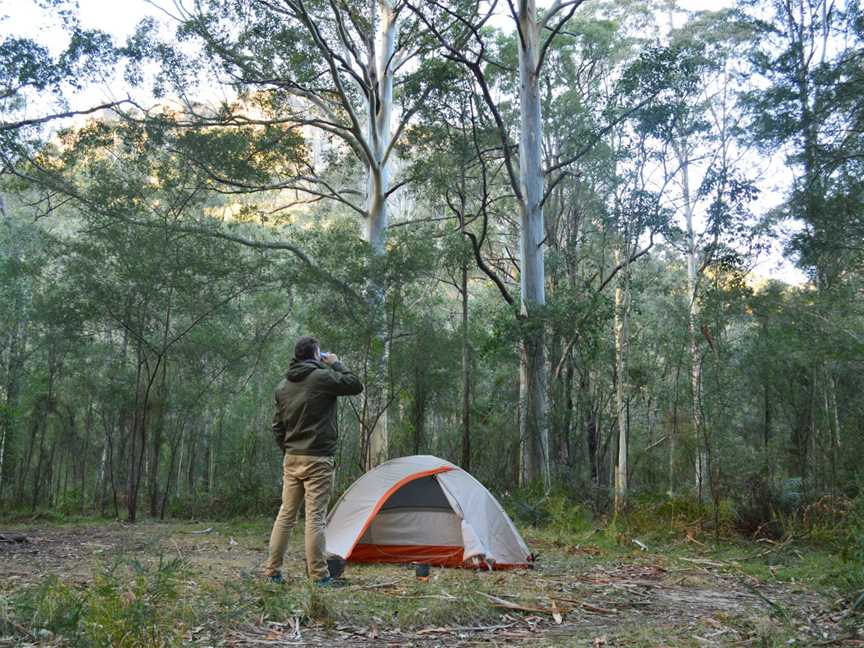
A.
x: 276, y: 578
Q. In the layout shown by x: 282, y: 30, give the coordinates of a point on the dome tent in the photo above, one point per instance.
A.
x: 423, y: 509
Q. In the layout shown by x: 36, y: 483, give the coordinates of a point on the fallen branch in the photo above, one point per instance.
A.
x: 446, y: 630
x: 509, y: 605
x: 445, y: 597
x: 588, y: 606
x: 704, y: 561
x: 13, y: 538
x: 784, y: 614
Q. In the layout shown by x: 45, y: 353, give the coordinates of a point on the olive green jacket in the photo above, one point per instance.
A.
x: 305, y: 418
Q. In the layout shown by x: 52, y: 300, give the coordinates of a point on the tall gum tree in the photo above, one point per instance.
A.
x: 458, y: 29
x: 461, y: 30
x: 693, y: 126
x: 330, y: 70
x: 808, y: 107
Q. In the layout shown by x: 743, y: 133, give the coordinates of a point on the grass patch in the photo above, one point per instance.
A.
x: 449, y: 597
x: 213, y: 590
x: 129, y: 605
x: 373, y: 595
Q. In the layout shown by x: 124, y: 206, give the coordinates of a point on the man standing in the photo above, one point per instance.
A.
x: 304, y: 426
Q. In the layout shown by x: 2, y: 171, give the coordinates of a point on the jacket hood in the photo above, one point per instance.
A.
x: 299, y: 369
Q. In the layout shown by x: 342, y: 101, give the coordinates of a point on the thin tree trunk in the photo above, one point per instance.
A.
x: 190, y: 468
x: 17, y: 342
x: 37, y: 477
x: 621, y: 323
x: 100, y: 491
x: 88, y: 424
x: 466, y: 374
x: 564, y: 457
x: 174, y: 455
x: 132, y: 476
x: 156, y: 446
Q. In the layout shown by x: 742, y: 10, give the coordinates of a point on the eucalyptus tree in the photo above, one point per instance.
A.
x: 155, y: 282
x: 637, y: 211
x: 694, y: 124
x: 349, y: 77
x: 456, y: 157
x: 530, y: 174
x: 34, y: 88
x: 593, y: 66
x: 22, y: 265
x: 808, y: 107
x: 459, y: 32
x: 35, y: 84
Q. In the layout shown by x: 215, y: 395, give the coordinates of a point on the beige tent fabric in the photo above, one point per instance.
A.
x: 477, y: 521
x: 486, y: 529
x: 437, y: 528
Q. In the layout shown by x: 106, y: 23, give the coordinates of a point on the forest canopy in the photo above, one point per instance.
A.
x: 543, y: 236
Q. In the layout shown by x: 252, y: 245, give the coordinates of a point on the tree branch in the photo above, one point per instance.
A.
x: 11, y: 126
x: 627, y: 262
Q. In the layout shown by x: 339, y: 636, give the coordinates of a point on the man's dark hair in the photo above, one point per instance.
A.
x: 304, y: 348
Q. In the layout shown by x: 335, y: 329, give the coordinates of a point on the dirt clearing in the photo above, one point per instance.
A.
x: 578, y: 594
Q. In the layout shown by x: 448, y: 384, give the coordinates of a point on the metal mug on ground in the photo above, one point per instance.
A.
x: 421, y: 571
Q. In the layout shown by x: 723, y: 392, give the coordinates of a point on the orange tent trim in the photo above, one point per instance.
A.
x: 437, y: 556
x: 386, y: 496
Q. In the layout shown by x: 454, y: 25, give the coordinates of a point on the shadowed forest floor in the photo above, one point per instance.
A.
x: 199, y: 584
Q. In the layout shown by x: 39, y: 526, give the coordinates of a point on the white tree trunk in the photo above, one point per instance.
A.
x: 622, y: 335
x: 683, y: 154
x: 534, y: 430
x: 379, y: 135
x: 12, y: 366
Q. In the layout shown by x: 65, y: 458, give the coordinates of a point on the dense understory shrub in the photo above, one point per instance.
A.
x: 236, y: 499
x: 853, y: 548
x: 554, y: 511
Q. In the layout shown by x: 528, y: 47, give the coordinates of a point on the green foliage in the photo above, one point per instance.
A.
x: 853, y: 549
x: 52, y: 605
x: 555, y: 512
x: 129, y: 605
x: 675, y: 517
x: 70, y: 503
x: 234, y: 499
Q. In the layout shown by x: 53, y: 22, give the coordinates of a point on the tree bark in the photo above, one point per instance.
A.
x: 17, y: 342
x: 622, y: 333
x: 156, y: 446
x: 466, y: 375
x: 534, y: 431
x: 379, y: 136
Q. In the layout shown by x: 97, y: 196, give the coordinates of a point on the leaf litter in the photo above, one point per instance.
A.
x: 576, y: 595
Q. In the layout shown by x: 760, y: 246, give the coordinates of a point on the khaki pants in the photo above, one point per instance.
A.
x: 311, y: 477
